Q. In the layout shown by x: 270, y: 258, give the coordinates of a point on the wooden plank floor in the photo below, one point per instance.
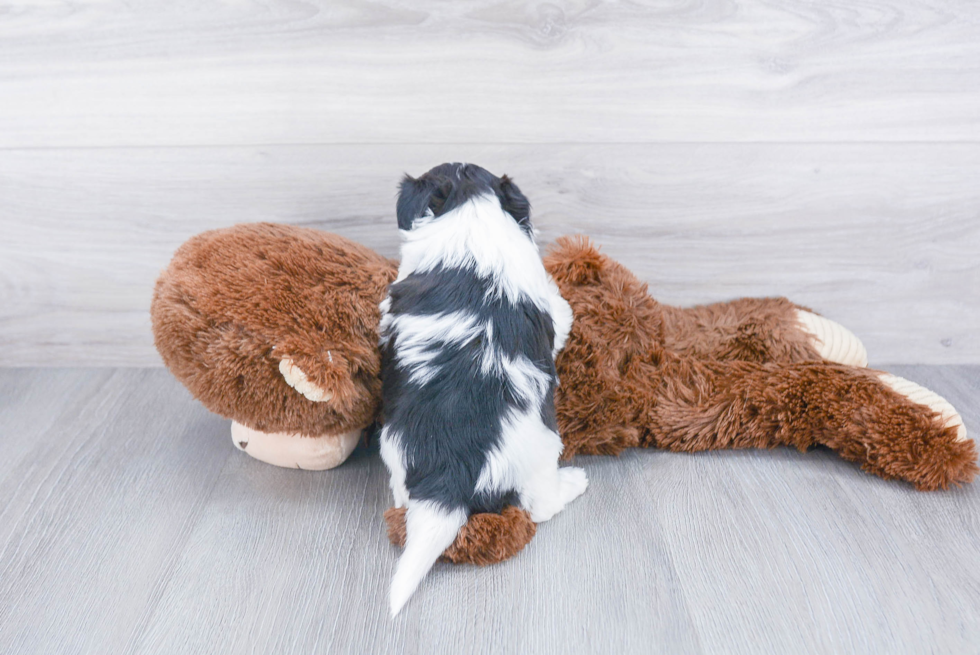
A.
x: 128, y: 524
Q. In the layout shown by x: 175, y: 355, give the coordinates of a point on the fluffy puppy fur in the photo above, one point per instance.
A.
x: 468, y: 335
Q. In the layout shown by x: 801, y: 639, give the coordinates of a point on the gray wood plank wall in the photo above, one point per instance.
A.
x: 826, y: 152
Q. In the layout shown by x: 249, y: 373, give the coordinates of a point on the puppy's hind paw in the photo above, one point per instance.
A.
x: 573, y: 483
x: 297, y: 379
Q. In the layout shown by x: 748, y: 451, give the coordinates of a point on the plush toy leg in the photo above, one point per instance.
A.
x: 892, y: 430
x: 948, y: 415
x: 759, y: 330
x: 294, y: 450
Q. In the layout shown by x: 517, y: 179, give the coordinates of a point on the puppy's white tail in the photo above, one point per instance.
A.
x: 429, y: 530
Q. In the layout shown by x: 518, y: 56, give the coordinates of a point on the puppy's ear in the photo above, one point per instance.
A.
x: 413, y: 200
x: 514, y: 202
x: 440, y: 191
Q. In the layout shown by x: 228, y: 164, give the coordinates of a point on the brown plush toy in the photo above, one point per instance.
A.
x: 275, y: 327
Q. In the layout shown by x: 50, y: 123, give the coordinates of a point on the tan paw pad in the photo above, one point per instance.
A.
x: 834, y: 342
x: 922, y: 396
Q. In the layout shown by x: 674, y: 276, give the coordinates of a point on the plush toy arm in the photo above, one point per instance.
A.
x: 891, y: 427
x: 759, y: 330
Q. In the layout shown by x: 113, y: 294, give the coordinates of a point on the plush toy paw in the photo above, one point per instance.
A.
x: 834, y: 342
x: 294, y: 450
x: 297, y: 379
x: 922, y: 396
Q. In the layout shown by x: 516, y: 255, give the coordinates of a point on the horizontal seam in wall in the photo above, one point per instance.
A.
x: 373, y: 144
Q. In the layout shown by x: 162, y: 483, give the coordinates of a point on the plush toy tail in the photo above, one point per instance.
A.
x: 429, y: 530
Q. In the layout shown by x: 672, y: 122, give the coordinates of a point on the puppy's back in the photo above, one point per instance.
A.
x: 457, y: 361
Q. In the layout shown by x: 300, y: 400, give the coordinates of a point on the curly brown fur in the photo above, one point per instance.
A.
x: 621, y: 385
x: 234, y: 302
x: 617, y: 327
x: 748, y: 405
x: 485, y: 539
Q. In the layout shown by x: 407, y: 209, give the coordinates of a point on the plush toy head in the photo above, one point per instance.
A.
x: 237, y: 306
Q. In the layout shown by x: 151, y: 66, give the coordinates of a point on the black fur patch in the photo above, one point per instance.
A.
x: 447, y: 186
x: 449, y: 425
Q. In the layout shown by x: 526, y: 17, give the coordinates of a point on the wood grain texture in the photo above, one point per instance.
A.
x: 113, y: 73
x: 881, y: 237
x: 130, y: 525
x: 109, y: 471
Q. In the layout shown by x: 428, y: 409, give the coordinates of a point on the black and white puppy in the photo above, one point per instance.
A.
x: 469, y: 332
